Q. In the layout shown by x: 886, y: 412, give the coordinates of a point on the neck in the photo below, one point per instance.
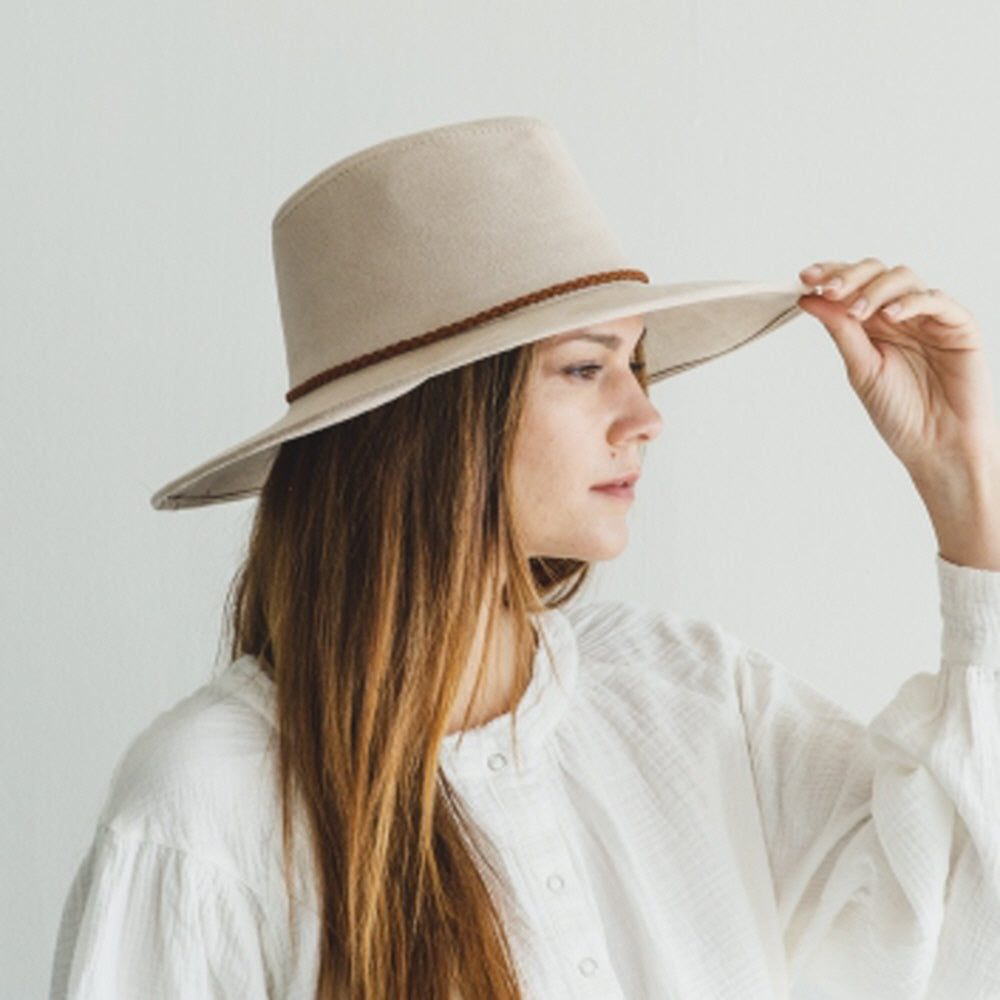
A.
x: 499, y: 690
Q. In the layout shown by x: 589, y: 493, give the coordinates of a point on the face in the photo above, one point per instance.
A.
x: 585, y: 420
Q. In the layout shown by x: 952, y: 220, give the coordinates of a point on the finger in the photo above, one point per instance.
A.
x: 842, y: 282
x: 927, y: 302
x: 860, y: 356
x: 885, y: 287
x: 816, y: 273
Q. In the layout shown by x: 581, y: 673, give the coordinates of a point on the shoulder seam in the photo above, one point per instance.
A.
x: 106, y: 829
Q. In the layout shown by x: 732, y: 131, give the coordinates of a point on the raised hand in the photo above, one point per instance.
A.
x: 915, y: 358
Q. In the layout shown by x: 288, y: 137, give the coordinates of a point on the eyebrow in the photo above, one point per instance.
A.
x: 610, y: 340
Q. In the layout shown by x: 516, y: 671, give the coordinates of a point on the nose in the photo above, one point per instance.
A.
x: 638, y: 420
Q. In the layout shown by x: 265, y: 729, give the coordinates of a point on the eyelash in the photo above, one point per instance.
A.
x: 588, y: 371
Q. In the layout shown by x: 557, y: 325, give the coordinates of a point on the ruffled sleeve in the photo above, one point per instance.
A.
x: 144, y: 922
x: 884, y: 843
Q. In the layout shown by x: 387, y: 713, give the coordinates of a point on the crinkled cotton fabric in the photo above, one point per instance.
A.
x: 677, y: 817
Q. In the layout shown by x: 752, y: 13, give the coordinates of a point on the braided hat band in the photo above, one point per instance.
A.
x: 460, y: 326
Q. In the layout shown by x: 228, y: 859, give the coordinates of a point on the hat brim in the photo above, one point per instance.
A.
x: 686, y: 325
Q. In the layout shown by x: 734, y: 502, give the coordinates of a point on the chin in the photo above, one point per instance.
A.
x: 609, y: 552
x: 591, y: 550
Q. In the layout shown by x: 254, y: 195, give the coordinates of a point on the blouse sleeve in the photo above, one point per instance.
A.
x: 884, y: 843
x: 148, y: 922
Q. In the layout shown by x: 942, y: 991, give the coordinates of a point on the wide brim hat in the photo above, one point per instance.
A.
x: 433, y: 250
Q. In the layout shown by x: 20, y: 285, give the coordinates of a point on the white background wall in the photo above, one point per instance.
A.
x: 145, y: 147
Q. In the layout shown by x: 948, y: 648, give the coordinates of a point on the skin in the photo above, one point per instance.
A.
x: 585, y: 422
x: 914, y: 356
x: 916, y: 360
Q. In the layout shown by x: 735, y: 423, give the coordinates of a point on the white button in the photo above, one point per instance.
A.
x: 587, y: 966
x: 555, y: 883
x: 497, y: 761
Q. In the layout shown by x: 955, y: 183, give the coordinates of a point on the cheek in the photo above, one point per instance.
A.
x: 553, y: 456
x: 534, y: 455
x: 540, y: 440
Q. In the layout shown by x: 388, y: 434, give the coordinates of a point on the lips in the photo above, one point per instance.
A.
x: 625, y: 481
x: 623, y: 488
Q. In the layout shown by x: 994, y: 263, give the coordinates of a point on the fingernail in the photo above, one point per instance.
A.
x: 833, y: 285
x: 858, y: 306
x: 891, y: 309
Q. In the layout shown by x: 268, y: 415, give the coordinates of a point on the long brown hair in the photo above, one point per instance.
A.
x: 376, y: 545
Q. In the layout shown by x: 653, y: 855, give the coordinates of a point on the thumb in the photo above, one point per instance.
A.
x: 861, y: 357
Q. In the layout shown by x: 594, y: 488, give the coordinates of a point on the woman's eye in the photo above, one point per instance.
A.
x: 583, y: 371
x: 589, y: 371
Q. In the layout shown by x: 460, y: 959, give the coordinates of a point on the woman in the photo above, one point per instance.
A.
x: 354, y: 809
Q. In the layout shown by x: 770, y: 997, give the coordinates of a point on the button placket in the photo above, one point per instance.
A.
x: 525, y: 820
x: 567, y: 920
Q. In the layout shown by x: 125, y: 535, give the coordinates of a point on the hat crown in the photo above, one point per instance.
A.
x: 427, y: 230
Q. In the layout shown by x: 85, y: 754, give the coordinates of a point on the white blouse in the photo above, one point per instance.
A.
x: 681, y: 819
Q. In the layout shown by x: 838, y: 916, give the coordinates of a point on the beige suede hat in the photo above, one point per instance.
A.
x: 435, y: 249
